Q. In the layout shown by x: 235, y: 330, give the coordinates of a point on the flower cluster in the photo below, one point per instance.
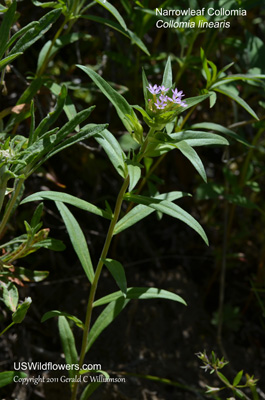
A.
x: 162, y: 101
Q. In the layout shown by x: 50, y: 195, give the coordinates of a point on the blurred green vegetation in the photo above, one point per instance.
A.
x: 230, y: 206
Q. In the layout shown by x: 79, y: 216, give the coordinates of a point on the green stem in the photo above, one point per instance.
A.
x: 250, y: 157
x: 160, y: 380
x: 9, y: 326
x: 2, y: 195
x: 97, y: 276
x: 254, y: 393
x: 75, y: 5
x: 11, y: 205
x: 144, y: 146
x: 47, y: 57
x: 2, y: 80
x: 186, y: 117
x: 185, y: 64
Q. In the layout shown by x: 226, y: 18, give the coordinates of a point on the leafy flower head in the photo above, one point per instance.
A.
x: 160, y: 101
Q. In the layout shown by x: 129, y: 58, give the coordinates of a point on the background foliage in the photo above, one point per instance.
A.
x: 222, y: 284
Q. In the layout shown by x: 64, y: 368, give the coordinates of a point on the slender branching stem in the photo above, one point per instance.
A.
x: 185, y: 64
x: 186, y: 117
x: 47, y: 56
x: 254, y: 393
x: 2, y: 79
x: 2, y: 195
x: 9, y: 326
x: 97, y: 276
x: 11, y: 205
x: 145, y: 179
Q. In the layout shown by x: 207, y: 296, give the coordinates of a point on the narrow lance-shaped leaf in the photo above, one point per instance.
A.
x: 69, y: 107
x: 129, y: 34
x: 19, y: 315
x: 76, y: 120
x: 222, y: 129
x: 117, y: 271
x: 141, y: 211
x: 237, y: 378
x: 46, y: 4
x: 149, y: 120
x: 5, y: 27
x: 239, y: 100
x: 52, y: 116
x: 213, y: 98
x: 91, y: 387
x: 141, y: 293
x: 86, y: 132
x: 59, y: 44
x: 51, y: 244
x: 134, y: 171
x: 19, y: 33
x: 32, y: 124
x: 223, y: 378
x: 167, y: 76
x: 56, y: 313
x: 35, y: 220
x: 50, y: 145
x: 121, y: 105
x: 193, y: 157
x: 214, y: 70
x: 105, y: 319
x: 9, y: 377
x: 37, y: 32
x: 145, y: 86
x: 68, y: 344
x: 78, y: 239
x: 114, y: 151
x: 171, y: 209
x: 236, y: 77
x: 193, y: 101
x: 31, y: 90
x: 226, y: 67
x: 205, y: 67
x: 8, y: 59
x: 198, y: 138
x: 69, y: 199
x: 113, y: 10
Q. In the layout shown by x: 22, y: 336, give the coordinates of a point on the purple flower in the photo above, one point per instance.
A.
x: 164, y: 98
x: 183, y: 104
x: 206, y: 367
x: 176, y: 100
x: 163, y: 88
x: 160, y: 105
x: 153, y: 89
x: 177, y: 94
